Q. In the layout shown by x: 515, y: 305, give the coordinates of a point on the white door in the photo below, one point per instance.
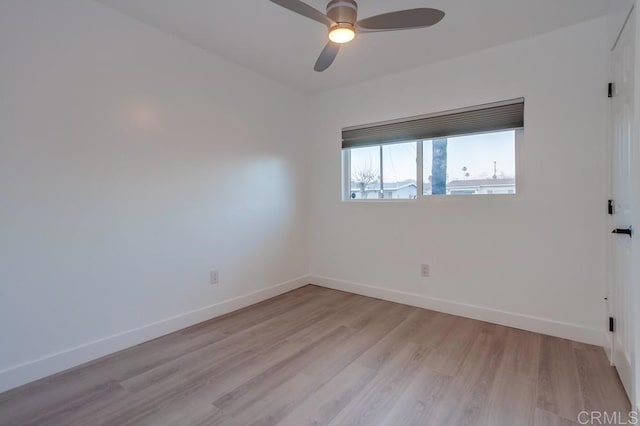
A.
x: 622, y: 291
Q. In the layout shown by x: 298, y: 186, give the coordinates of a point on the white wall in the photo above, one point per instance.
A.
x: 130, y: 165
x: 536, y: 260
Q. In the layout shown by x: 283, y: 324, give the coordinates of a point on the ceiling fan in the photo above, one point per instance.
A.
x: 341, y: 20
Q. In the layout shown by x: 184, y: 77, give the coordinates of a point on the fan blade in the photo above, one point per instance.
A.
x: 305, y: 10
x: 327, y: 56
x: 401, y: 20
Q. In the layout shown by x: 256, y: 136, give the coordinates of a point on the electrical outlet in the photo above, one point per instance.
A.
x: 214, y: 277
x: 425, y: 271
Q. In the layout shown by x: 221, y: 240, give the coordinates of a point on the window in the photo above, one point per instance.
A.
x: 365, y: 173
x: 383, y: 172
x: 464, y: 152
x: 481, y: 164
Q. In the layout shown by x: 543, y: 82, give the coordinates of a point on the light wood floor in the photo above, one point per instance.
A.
x: 319, y: 356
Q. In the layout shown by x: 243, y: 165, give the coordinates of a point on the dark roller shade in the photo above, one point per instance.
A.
x: 483, y: 118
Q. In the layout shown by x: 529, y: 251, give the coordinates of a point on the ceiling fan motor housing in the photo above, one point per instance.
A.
x: 343, y: 11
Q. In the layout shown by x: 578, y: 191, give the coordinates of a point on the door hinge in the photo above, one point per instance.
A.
x: 610, y: 90
x: 612, y: 324
x: 610, y: 206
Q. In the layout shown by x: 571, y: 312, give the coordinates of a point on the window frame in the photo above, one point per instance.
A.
x: 420, y: 196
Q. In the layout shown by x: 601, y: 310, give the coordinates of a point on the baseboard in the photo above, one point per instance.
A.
x: 510, y: 319
x: 21, y: 374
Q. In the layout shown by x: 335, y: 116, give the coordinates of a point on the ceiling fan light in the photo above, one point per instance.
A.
x: 342, y: 33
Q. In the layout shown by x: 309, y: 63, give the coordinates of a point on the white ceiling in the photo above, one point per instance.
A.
x: 284, y: 46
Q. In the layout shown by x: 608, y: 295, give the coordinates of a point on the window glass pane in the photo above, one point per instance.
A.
x: 470, y: 165
x: 365, y: 173
x: 399, y: 171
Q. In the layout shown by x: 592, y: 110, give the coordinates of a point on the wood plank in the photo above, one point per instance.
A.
x: 184, y: 412
x: 322, y: 363
x: 385, y: 349
x: 278, y: 402
x: 372, y: 340
x: 558, y: 384
x: 366, y: 312
x: 435, y: 329
x: 49, y: 394
x: 416, y: 404
x: 207, y: 388
x: 545, y: 418
x: 329, y: 400
x: 513, y: 400
x: 243, y: 396
x: 235, y: 377
x: 371, y: 407
x: 259, y: 387
x: 458, y: 336
x: 224, y: 374
x: 600, y: 385
x: 255, y: 314
x: 70, y: 411
x: 234, y: 348
x: 522, y: 353
x: 467, y: 398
